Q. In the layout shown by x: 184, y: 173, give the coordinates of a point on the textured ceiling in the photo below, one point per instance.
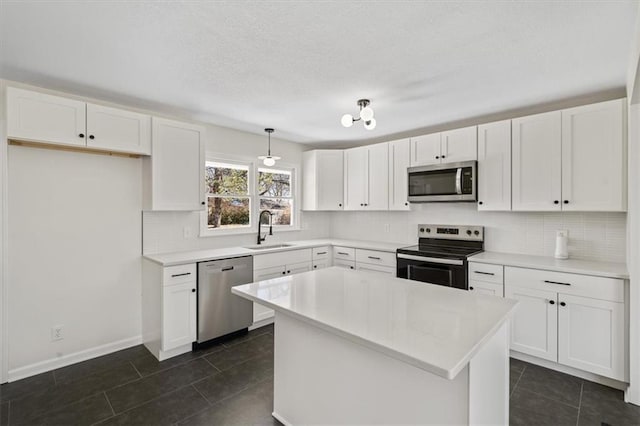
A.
x: 298, y: 66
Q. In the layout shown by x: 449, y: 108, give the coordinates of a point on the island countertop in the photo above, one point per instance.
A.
x: 435, y: 328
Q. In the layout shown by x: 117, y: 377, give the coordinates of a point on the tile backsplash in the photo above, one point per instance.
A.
x: 594, y: 236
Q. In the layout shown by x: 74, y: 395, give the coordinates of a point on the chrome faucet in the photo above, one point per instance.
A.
x: 260, y: 238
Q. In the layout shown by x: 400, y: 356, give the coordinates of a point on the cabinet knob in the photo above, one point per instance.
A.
x: 361, y: 205
x: 288, y: 272
x: 566, y: 201
x: 193, y: 290
x: 443, y: 156
x: 480, y: 202
x: 339, y: 204
x: 437, y: 157
x: 284, y: 272
x: 556, y: 202
x: 406, y: 204
x: 81, y: 135
x: 470, y: 288
x: 203, y: 203
x: 91, y: 137
x: 552, y: 302
x: 315, y: 266
x: 563, y: 304
x: 350, y: 267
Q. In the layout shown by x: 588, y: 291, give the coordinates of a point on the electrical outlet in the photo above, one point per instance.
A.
x: 56, y: 332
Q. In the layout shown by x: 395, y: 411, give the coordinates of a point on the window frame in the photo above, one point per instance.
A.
x: 254, y: 199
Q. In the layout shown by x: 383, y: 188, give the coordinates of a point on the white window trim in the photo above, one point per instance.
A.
x: 254, y: 165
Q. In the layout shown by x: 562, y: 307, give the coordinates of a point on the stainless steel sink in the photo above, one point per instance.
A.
x: 268, y: 246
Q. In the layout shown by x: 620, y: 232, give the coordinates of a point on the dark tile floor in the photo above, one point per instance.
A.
x: 232, y: 383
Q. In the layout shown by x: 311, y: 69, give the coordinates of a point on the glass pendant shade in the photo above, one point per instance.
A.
x: 370, y: 125
x: 366, y: 113
x: 347, y: 120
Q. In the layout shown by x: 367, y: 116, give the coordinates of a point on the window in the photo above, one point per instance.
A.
x: 275, y: 193
x: 228, y: 195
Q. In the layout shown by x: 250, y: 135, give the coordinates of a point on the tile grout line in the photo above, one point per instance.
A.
x: 55, y: 381
x: 211, y: 364
x: 200, y: 393
x: 134, y: 367
x: 109, y: 402
x: 580, y: 403
x: 517, y: 381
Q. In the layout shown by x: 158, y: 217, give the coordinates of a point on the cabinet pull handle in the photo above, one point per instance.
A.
x: 552, y: 302
x: 556, y: 282
x: 566, y: 201
x: 373, y: 257
x: 180, y: 275
x: 556, y: 202
x: 229, y: 268
x: 343, y: 253
x: 483, y: 273
x: 321, y: 252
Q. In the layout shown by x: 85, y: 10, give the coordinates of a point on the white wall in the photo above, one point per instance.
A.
x: 74, y: 254
x: 599, y: 236
x: 164, y: 231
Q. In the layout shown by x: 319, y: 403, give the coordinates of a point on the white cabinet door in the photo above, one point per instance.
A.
x: 378, y: 177
x: 340, y: 263
x: 459, y: 145
x: 118, y: 130
x: 177, y: 166
x: 537, y: 162
x: 486, y: 288
x: 494, y: 166
x: 355, y: 178
x: 323, y: 179
x: 534, y: 327
x: 269, y: 273
x: 591, y: 335
x: 594, y: 157
x: 425, y: 150
x: 399, y: 160
x: 39, y: 117
x: 376, y: 268
x: 298, y: 268
x: 321, y: 264
x: 178, y: 315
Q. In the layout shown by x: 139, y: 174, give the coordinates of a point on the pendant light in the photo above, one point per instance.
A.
x: 269, y: 160
x: 366, y: 115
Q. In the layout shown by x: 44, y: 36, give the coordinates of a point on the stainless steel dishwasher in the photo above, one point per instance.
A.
x: 219, y: 311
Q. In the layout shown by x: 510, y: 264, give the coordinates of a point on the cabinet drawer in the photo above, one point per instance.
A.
x: 485, y: 272
x: 376, y: 268
x: 481, y: 287
x: 281, y: 258
x: 574, y: 284
x: 344, y: 253
x: 179, y: 274
x: 374, y: 257
x: 349, y: 264
x: 323, y: 252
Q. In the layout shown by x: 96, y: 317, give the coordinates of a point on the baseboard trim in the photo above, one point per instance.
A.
x: 262, y: 323
x: 570, y: 370
x: 63, y: 361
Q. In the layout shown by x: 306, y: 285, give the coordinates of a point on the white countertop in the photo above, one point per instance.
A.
x: 180, y: 258
x: 436, y: 328
x: 574, y: 266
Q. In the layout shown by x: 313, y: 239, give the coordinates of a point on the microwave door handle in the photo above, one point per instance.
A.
x: 459, y: 181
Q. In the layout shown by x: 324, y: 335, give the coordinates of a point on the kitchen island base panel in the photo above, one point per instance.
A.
x: 322, y: 378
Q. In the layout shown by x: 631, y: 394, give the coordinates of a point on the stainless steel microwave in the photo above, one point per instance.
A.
x: 443, y: 182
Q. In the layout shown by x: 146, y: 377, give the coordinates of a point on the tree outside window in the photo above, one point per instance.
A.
x: 228, y: 198
x: 275, y: 194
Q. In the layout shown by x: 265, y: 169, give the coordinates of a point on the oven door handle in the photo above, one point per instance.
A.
x: 430, y: 259
x: 459, y: 181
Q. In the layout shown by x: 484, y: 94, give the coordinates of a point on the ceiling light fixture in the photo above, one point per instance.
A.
x: 269, y: 160
x: 366, y: 115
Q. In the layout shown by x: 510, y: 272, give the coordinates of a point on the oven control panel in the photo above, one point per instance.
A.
x: 452, y: 232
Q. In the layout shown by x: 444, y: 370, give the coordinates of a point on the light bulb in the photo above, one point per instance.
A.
x: 347, y: 120
x: 269, y: 161
x: 370, y: 125
x: 366, y: 114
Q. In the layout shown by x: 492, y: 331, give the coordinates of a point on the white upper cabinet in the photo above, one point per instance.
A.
x: 594, y: 157
x: 39, y: 117
x: 323, y: 180
x: 43, y: 118
x: 537, y: 162
x: 425, y: 149
x: 118, y: 130
x: 174, y: 174
x: 366, y: 171
x: 459, y: 145
x: 451, y: 146
x: 494, y: 166
x: 399, y: 159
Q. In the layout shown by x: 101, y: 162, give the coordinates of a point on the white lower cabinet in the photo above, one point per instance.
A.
x: 169, y: 308
x: 179, y: 308
x: 376, y: 268
x: 486, y: 288
x: 574, y: 320
x: 534, y: 327
x: 347, y: 264
x: 592, y: 333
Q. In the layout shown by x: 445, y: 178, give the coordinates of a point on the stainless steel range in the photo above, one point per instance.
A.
x: 441, y: 254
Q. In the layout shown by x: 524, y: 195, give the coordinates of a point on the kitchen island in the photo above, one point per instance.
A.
x: 355, y: 347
